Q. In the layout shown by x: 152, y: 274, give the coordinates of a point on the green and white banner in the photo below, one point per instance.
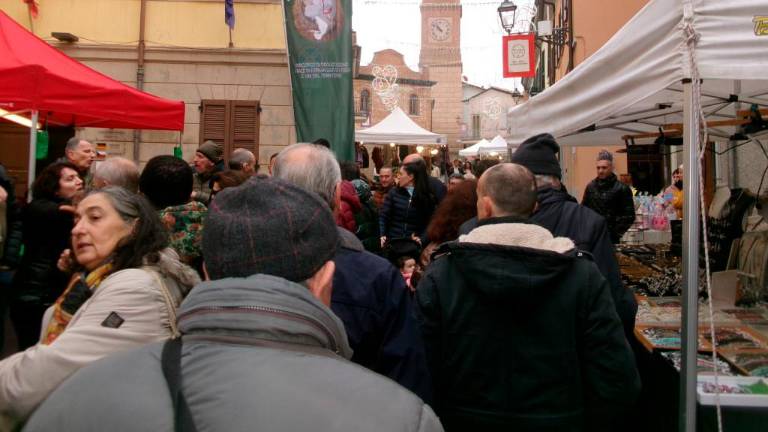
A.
x: 319, y: 34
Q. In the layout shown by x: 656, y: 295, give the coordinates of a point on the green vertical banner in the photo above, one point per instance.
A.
x: 319, y: 34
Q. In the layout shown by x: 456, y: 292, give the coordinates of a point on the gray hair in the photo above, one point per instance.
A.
x: 605, y: 155
x: 72, y: 143
x: 241, y: 156
x: 545, y: 181
x: 117, y: 171
x: 126, y: 203
x: 511, y: 188
x: 311, y: 167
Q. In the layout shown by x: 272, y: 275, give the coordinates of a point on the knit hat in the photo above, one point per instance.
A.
x: 211, y: 150
x: 605, y: 155
x: 268, y: 226
x: 538, y: 154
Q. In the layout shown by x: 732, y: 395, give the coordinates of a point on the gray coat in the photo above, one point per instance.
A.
x: 259, y: 354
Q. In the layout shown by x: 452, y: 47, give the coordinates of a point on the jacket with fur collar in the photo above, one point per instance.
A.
x: 521, y: 334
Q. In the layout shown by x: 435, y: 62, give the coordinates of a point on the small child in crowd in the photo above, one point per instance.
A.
x: 407, y: 265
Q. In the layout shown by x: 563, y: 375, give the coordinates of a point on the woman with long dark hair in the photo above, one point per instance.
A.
x: 407, y: 209
x: 46, y: 221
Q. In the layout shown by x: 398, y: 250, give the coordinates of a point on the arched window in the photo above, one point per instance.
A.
x: 413, y: 105
x: 365, y: 102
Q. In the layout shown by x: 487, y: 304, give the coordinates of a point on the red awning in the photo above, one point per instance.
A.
x: 37, y: 76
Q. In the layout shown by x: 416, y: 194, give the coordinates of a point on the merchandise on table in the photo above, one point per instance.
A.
x: 731, y: 338
x: 753, y: 363
x: 732, y: 391
x: 704, y: 364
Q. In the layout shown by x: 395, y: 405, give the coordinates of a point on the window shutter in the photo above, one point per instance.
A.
x: 245, y: 126
x: 214, y: 121
x: 230, y: 123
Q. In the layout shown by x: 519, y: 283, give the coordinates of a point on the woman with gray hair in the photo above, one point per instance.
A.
x: 124, y: 294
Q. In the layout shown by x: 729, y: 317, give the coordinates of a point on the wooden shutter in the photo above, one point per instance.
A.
x: 214, y: 121
x: 232, y: 124
x: 245, y: 127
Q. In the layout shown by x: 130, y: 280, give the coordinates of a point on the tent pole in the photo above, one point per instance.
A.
x: 690, y: 262
x: 32, y: 154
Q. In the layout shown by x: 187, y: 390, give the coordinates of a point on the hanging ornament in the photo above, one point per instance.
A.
x: 492, y: 108
x: 385, y: 86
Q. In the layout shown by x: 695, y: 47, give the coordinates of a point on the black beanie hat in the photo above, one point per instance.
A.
x: 538, y: 154
x: 268, y: 226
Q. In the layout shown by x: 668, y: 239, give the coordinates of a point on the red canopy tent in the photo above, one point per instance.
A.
x: 37, y: 78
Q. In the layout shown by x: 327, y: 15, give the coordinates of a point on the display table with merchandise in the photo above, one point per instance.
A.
x: 741, y: 338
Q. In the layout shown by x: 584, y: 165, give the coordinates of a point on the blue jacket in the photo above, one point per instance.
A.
x: 370, y: 297
x: 401, y: 216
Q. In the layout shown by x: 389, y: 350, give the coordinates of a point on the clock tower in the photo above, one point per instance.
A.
x: 441, y: 58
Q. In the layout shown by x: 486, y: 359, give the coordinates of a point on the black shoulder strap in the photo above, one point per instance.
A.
x: 171, y: 363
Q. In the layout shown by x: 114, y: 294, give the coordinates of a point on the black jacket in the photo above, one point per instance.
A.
x: 523, y: 339
x: 402, y: 215
x: 613, y: 200
x: 47, y: 232
x: 370, y: 297
x: 13, y: 237
x: 559, y: 213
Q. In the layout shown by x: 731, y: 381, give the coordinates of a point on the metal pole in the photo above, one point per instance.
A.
x: 690, y: 262
x: 32, y: 154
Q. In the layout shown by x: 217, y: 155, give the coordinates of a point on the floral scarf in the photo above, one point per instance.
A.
x: 80, y: 289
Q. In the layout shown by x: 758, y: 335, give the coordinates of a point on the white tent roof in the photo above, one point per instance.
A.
x: 633, y: 83
x: 497, y: 144
x: 398, y: 128
x: 473, y: 149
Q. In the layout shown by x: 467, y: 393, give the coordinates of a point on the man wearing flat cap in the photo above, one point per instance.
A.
x: 259, y: 347
x: 207, y: 162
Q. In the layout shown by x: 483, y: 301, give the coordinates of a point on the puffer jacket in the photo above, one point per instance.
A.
x: 46, y: 233
x: 259, y: 353
x: 402, y: 215
x: 613, y: 200
x: 521, y: 334
x: 349, y: 207
x: 128, y: 309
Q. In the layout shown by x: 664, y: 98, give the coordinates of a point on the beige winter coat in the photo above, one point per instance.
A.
x: 137, y: 296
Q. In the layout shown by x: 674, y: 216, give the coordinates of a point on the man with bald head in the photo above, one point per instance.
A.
x: 533, y: 339
x: 438, y: 188
x: 116, y: 171
x: 243, y: 160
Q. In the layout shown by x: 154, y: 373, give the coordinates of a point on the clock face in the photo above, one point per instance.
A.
x: 439, y: 29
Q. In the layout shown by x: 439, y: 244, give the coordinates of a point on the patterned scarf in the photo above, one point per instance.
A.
x: 80, y: 289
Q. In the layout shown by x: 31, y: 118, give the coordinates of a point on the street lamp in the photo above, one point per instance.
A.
x: 507, y: 11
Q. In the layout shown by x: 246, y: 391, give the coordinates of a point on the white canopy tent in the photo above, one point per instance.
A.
x: 647, y: 76
x: 497, y: 144
x: 398, y: 128
x: 474, y: 149
x: 633, y: 84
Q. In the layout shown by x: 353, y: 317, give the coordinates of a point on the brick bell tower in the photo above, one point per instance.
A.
x: 441, y: 57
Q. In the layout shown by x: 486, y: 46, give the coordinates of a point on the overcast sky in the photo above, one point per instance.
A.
x: 396, y: 24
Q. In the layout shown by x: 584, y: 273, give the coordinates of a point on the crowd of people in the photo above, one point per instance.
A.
x: 209, y: 296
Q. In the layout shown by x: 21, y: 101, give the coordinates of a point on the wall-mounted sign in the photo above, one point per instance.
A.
x: 519, y: 55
